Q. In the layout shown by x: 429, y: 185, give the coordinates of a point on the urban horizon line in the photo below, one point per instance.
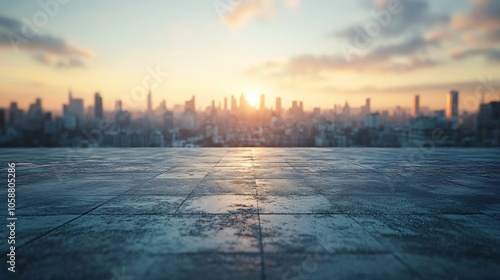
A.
x: 255, y: 104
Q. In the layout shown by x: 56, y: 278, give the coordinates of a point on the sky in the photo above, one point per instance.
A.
x: 323, y: 52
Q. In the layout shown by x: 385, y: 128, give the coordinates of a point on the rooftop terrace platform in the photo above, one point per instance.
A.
x: 254, y: 213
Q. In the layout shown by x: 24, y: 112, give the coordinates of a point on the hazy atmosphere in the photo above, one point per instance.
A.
x: 326, y: 52
x: 250, y: 139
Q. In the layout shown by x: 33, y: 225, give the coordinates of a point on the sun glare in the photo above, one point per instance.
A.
x: 252, y: 98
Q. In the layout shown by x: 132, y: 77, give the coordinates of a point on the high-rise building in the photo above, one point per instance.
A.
x: 38, y: 104
x: 74, y: 109
x: 488, y: 125
x: 98, y: 110
x: 372, y: 120
x: 368, y: 106
x: 452, y: 106
x: 150, y: 101
x: 163, y: 106
x: 243, y: 103
x: 34, y: 118
x: 16, y: 115
x: 262, y: 102
x: 416, y: 107
x: 2, y: 121
x: 233, y: 104
x: 440, y: 115
x: 297, y: 107
x: 278, y: 105
x: 346, y: 111
x: 190, y: 106
x: 35, y: 110
x: 78, y: 108
x: 225, y: 103
x: 317, y: 112
x: 118, y: 105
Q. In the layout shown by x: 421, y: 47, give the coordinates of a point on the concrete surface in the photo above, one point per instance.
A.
x: 252, y: 213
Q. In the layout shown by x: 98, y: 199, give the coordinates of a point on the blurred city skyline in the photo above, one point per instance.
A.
x: 252, y: 100
x: 237, y: 121
x: 322, y: 52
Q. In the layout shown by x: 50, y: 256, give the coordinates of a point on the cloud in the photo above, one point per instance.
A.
x: 404, y: 48
x: 439, y: 35
x: 408, y: 89
x: 417, y: 38
x: 482, y: 19
x: 414, y: 16
x: 58, y: 62
x: 405, y: 56
x: 491, y: 55
x: 9, y: 23
x: 69, y: 63
x: 236, y: 13
x: 46, y: 43
x: 410, y: 40
x: 14, y: 34
x: 480, y: 31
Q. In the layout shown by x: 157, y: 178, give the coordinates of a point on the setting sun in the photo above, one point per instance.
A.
x: 261, y: 139
x: 252, y: 98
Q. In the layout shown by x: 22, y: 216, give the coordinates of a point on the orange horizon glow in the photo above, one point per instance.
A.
x: 427, y: 49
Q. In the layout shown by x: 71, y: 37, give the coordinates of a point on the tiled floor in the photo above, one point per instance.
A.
x: 253, y: 213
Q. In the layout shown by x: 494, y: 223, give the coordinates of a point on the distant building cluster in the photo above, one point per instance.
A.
x: 237, y: 124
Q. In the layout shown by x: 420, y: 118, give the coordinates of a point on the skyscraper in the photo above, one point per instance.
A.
x: 372, y: 120
x: 368, y: 106
x: 346, y: 111
x: 233, y: 104
x: 16, y: 115
x: 2, y: 121
x: 488, y: 124
x: 243, y: 103
x: 416, y: 107
x: 35, y: 110
x: 118, y: 105
x: 452, y: 105
x: 38, y: 104
x: 278, y: 105
x: 75, y: 109
x: 98, y: 110
x: 190, y: 105
x: 225, y: 103
x: 34, y: 118
x: 163, y: 106
x: 150, y: 101
x: 262, y: 102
